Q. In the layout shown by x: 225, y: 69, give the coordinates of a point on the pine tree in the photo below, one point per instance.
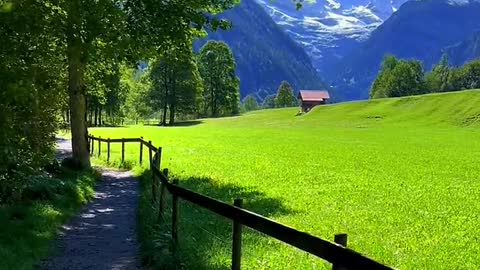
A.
x: 284, y: 96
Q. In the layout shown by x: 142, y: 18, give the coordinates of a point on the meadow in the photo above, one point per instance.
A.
x: 400, y: 176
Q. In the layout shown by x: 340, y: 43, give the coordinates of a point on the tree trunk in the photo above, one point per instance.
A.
x: 68, y: 115
x: 164, y: 117
x: 165, y: 105
x: 172, y: 115
x: 212, y: 97
x: 90, y: 116
x: 95, y: 122
x: 78, y: 110
x: 100, y: 123
x: 172, y: 99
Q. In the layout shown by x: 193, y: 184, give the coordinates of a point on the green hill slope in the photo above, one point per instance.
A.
x: 457, y: 108
x: 454, y: 108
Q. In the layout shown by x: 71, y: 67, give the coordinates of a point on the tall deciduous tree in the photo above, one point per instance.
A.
x: 398, y: 78
x: 176, y: 84
x: 221, y: 86
x: 284, y: 96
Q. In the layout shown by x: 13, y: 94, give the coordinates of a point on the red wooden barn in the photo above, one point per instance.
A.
x: 311, y: 98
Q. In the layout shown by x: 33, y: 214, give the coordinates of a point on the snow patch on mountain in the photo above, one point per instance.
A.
x: 328, y: 28
x: 333, y: 5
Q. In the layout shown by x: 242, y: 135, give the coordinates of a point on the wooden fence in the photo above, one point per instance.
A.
x: 335, y: 252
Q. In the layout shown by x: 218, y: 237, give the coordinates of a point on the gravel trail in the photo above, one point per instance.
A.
x: 103, y: 234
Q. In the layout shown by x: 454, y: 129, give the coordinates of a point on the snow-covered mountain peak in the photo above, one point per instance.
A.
x: 322, y: 25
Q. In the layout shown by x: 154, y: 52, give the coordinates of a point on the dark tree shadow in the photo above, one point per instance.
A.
x: 102, y: 235
x: 177, y: 124
x: 204, y: 237
x: 253, y: 200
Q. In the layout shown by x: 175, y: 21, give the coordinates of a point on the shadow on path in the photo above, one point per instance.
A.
x: 103, y: 234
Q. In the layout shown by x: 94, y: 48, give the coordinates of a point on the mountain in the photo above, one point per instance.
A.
x: 329, y: 29
x: 465, y: 51
x: 419, y: 29
x: 264, y: 53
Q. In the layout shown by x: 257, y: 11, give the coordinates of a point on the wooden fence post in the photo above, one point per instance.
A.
x: 340, y: 239
x: 99, y: 146
x: 156, y: 163
x: 93, y: 146
x: 162, y: 194
x: 159, y: 157
x: 175, y: 218
x: 123, y: 150
x: 237, y: 240
x: 150, y: 152
x: 141, y: 150
x: 154, y: 195
x: 108, y: 150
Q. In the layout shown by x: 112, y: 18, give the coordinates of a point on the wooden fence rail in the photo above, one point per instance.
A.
x: 334, y: 252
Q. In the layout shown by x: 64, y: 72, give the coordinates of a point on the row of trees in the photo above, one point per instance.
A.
x: 201, y: 85
x: 177, y: 82
x: 407, y: 77
x: 71, y: 56
x: 283, y: 98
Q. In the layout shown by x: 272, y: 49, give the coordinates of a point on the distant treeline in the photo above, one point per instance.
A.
x: 399, y: 77
x: 284, y: 98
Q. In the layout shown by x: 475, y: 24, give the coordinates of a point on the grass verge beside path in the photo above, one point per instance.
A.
x: 27, y: 228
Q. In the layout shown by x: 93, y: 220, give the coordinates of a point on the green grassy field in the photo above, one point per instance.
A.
x: 400, y: 176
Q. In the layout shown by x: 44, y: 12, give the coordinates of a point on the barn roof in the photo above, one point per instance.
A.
x: 313, y: 95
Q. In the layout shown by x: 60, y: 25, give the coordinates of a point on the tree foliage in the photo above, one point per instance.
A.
x: 136, y: 84
x: 250, y: 103
x: 398, y: 78
x: 403, y: 78
x: 269, y: 102
x: 466, y: 77
x: 32, y: 83
x: 438, y: 79
x: 176, y: 84
x: 221, y: 86
x: 285, y: 96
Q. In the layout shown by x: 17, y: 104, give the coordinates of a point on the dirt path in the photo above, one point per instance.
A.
x: 103, y: 235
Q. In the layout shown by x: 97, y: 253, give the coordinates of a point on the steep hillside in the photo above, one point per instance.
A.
x: 465, y: 51
x: 419, y: 29
x: 329, y: 29
x: 265, y: 55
